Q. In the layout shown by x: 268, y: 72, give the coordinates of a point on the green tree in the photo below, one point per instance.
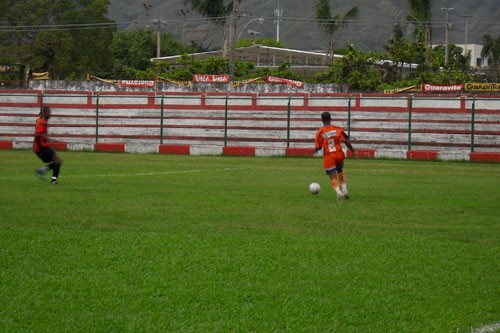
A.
x: 91, y: 46
x: 491, y: 51
x: 457, y: 61
x: 331, y: 24
x: 357, y: 69
x: 420, y: 14
x: 132, y: 51
x: 406, y: 56
x: 397, y: 48
x: 187, y: 66
x: 217, y: 11
x: 58, y: 36
x: 16, y: 42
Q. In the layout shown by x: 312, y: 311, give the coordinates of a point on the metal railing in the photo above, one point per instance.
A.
x: 371, y: 121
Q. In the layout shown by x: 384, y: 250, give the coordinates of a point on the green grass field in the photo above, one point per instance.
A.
x: 154, y: 243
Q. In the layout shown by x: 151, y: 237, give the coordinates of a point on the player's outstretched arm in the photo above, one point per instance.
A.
x: 351, y: 148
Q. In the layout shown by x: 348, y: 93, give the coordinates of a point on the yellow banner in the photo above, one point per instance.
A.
x: 95, y: 78
x: 40, y: 76
x: 405, y: 89
x: 255, y: 80
x: 486, y: 87
x: 181, y: 83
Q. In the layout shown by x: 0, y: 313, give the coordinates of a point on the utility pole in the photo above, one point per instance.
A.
x: 277, y: 14
x: 184, y: 11
x: 158, y: 24
x: 466, y: 32
x: 232, y: 38
x: 447, y: 26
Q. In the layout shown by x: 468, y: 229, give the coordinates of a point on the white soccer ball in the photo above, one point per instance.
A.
x: 314, y: 188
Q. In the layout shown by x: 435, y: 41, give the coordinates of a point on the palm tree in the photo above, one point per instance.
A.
x: 491, y: 49
x: 217, y: 11
x: 331, y: 24
x: 420, y: 14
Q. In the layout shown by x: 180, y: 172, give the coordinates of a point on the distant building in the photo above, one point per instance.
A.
x: 476, y: 60
x: 475, y: 51
x: 305, y: 62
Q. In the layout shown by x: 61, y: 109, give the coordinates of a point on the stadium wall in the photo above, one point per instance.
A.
x: 426, y: 127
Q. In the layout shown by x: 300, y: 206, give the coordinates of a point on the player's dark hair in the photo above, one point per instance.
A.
x: 326, y: 117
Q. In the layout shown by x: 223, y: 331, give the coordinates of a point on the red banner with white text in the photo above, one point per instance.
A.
x: 210, y: 78
x: 437, y: 88
x: 138, y: 83
x: 274, y: 79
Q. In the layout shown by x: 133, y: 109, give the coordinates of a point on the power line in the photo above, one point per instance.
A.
x: 98, y: 25
x: 472, y: 25
x: 80, y: 26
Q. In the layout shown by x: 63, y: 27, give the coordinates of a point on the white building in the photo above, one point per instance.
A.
x: 475, y: 51
x: 476, y: 60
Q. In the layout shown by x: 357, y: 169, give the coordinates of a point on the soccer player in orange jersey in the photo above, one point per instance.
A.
x: 329, y: 138
x: 42, y: 149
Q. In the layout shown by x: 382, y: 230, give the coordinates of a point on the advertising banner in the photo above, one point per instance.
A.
x: 484, y: 87
x: 40, y: 76
x: 274, y: 79
x: 210, y: 78
x: 259, y: 79
x: 138, y: 83
x: 414, y: 88
x: 181, y: 83
x: 442, y: 88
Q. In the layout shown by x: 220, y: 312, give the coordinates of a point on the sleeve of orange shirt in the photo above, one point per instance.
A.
x: 345, y: 137
x: 318, y: 140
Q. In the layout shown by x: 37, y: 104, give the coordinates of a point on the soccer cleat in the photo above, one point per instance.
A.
x: 346, y: 195
x: 340, y: 196
x: 40, y: 173
x: 53, y: 182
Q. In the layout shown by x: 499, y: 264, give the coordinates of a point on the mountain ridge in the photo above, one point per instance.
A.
x: 298, y: 28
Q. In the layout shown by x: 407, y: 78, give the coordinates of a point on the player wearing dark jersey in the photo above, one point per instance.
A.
x: 42, y: 149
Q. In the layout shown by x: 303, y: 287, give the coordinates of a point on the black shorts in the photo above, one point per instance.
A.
x: 46, y: 154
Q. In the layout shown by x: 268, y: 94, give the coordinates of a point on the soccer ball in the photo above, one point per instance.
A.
x: 314, y: 188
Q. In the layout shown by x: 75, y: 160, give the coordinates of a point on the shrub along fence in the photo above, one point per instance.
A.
x: 395, y: 126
